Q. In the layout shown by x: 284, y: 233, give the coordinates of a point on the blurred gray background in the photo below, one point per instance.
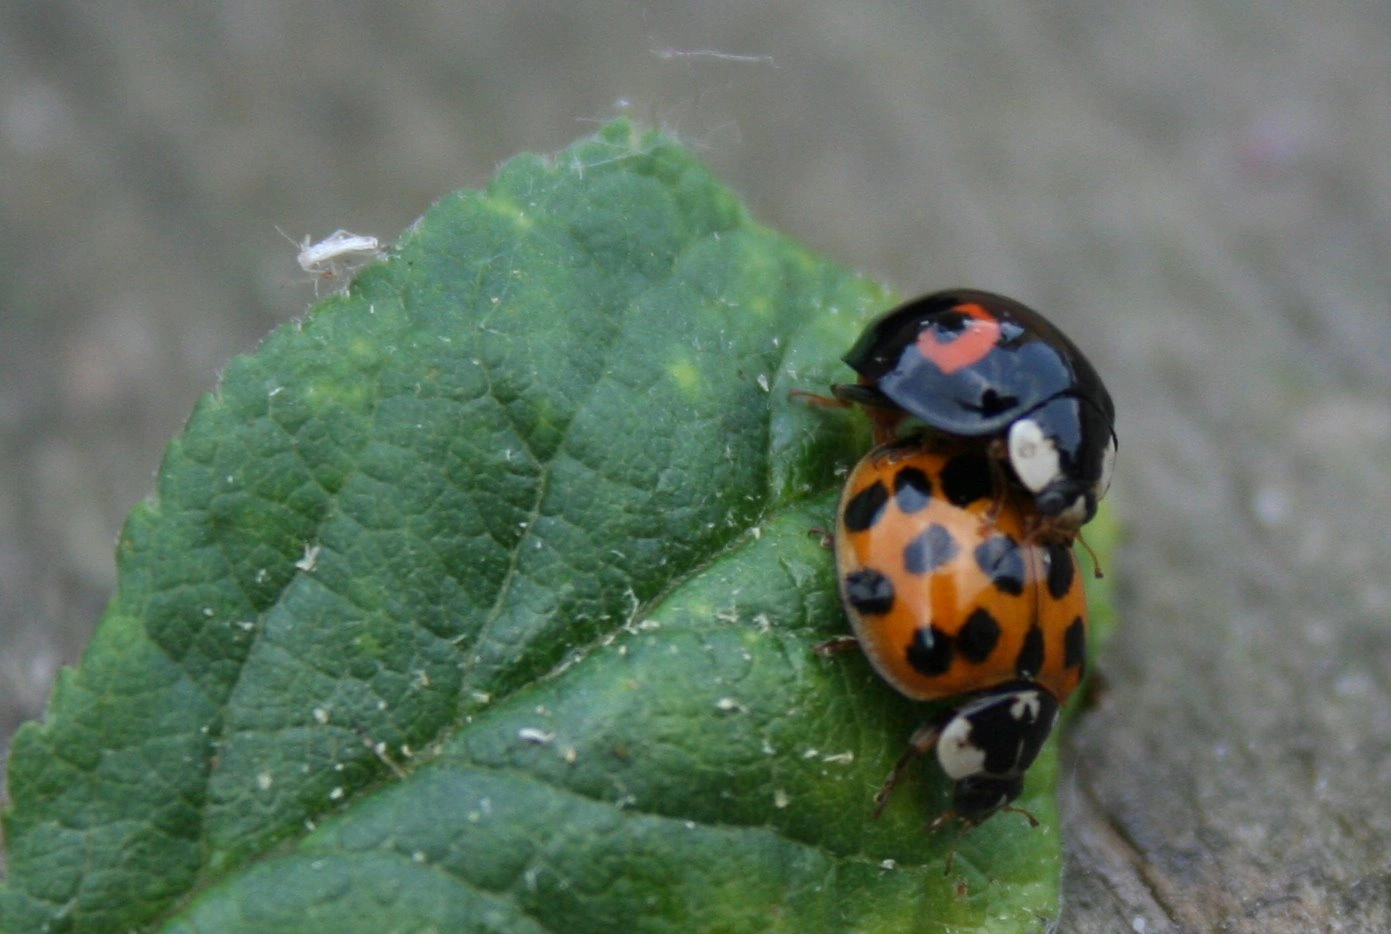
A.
x: 1199, y: 192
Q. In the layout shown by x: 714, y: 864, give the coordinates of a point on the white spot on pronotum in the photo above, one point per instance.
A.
x: 1032, y: 454
x: 959, y: 757
x: 531, y: 734
x: 309, y: 560
x: 1025, y: 706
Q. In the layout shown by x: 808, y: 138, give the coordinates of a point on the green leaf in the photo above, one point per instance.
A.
x: 483, y: 599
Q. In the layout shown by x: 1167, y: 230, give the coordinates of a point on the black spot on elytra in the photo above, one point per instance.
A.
x: 1060, y: 570
x: 967, y: 478
x: 912, y: 489
x: 929, y: 551
x: 999, y: 557
x: 865, y: 507
x: 978, y: 636
x: 1030, y: 658
x: 1075, y: 645
x: 868, y: 591
x: 993, y: 403
x: 930, y: 653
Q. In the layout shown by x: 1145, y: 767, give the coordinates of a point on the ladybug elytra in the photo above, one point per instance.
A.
x: 972, y: 364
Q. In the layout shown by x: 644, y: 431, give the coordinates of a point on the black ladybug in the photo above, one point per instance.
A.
x: 974, y: 364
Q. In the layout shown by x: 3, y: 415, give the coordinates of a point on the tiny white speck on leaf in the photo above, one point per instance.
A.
x: 321, y: 714
x: 310, y: 559
x: 781, y: 798
x: 531, y: 734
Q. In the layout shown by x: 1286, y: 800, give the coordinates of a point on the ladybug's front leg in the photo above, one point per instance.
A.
x: 923, y: 741
x: 836, y: 646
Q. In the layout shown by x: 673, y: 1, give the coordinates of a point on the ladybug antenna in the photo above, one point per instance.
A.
x: 1096, y: 562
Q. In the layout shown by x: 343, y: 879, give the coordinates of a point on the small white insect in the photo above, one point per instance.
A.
x: 337, y: 257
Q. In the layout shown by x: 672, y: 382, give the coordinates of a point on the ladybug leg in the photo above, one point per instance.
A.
x: 836, y: 646
x: 923, y: 741
x: 999, y: 482
x: 1033, y: 821
x: 884, y: 414
x: 818, y: 400
x: 938, y: 824
x: 862, y: 394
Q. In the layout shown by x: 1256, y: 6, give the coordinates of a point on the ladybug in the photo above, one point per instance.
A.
x: 946, y: 601
x: 974, y: 364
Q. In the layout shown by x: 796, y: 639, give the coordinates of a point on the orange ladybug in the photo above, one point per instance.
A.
x: 949, y: 594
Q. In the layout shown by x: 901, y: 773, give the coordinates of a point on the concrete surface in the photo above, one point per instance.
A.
x: 1200, y: 192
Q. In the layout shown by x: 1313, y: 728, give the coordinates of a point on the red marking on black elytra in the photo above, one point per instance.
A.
x: 959, y: 338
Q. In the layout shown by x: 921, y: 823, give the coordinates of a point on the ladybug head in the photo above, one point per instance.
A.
x: 1063, y: 452
x: 989, y: 743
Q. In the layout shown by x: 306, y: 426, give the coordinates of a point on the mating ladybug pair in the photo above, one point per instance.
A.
x: 954, y: 535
